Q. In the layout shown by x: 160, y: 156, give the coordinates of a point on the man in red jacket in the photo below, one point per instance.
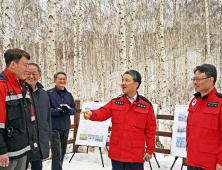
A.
x: 133, y: 125
x: 204, y: 122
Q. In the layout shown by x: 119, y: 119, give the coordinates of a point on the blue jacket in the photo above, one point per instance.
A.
x: 57, y: 97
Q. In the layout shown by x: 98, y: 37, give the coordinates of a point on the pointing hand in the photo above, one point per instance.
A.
x: 87, y: 114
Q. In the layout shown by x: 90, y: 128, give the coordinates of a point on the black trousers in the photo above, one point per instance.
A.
x: 58, y: 147
x: 117, y: 165
x: 194, y: 168
x: 35, y: 165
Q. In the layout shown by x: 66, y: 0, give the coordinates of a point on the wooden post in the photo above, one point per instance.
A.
x: 76, y: 122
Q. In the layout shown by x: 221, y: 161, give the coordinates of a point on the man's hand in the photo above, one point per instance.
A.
x: 149, y: 156
x: 66, y: 108
x: 218, y: 167
x: 87, y: 114
x: 4, y: 161
x: 61, y: 112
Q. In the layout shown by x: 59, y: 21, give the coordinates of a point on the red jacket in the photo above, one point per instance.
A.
x: 133, y: 125
x: 17, y: 133
x: 204, y: 148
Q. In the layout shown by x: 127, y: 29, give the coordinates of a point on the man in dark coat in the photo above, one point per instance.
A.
x: 62, y: 106
x: 42, y: 110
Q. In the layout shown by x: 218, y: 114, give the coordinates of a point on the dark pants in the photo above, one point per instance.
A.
x: 117, y: 165
x: 194, y: 168
x: 35, y: 165
x: 58, y: 147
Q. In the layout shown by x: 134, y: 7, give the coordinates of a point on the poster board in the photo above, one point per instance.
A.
x: 178, y: 145
x: 92, y: 133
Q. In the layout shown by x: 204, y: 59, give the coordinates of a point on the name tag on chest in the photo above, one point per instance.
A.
x: 212, y: 104
x: 141, y: 105
x: 119, y: 103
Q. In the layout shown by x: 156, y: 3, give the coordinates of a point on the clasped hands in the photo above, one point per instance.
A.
x: 64, y: 109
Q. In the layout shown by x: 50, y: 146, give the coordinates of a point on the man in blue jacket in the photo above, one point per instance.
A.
x: 62, y: 106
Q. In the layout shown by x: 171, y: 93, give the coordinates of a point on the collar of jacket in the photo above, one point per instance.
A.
x: 7, y: 75
x: 39, y: 85
x: 138, y: 97
x: 212, y: 92
x: 60, y: 91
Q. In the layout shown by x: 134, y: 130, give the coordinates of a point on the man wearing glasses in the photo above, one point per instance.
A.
x: 17, y: 133
x: 42, y: 109
x: 204, y: 147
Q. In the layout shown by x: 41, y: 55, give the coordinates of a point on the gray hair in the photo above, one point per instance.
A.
x: 60, y: 72
x: 136, y: 76
x: 34, y: 64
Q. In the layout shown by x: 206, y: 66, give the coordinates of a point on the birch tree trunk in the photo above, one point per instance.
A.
x: 163, y: 71
x: 174, y: 58
x: 6, y: 38
x: 203, y: 56
x: 63, y: 36
x: 186, y: 98
x: 21, y: 6
x: 207, y: 30
x: 132, y: 39
x: 51, y: 42
x: 75, y: 82
x: 3, y: 33
x: 80, y: 52
x: 39, y: 34
x: 122, y: 38
x: 220, y: 45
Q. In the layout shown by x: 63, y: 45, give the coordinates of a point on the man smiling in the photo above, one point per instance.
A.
x: 62, y: 106
x: 204, y: 122
x: 133, y: 125
x: 42, y: 109
x: 17, y: 135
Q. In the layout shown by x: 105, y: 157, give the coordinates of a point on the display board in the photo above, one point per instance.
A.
x: 178, y: 145
x: 92, y: 133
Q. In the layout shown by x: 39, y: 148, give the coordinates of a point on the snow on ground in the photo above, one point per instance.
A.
x: 92, y: 161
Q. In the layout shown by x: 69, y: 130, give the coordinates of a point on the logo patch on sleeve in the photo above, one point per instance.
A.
x: 10, y: 93
x: 212, y: 104
x: 119, y: 103
x: 141, y: 105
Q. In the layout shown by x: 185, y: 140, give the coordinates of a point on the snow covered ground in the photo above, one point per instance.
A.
x: 92, y: 161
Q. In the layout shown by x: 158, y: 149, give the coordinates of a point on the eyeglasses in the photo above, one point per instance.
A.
x: 198, y: 79
x: 34, y: 74
x: 24, y: 65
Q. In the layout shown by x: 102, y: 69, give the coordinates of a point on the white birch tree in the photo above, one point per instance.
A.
x: 80, y: 78
x: 122, y: 38
x: 51, y: 42
x: 21, y: 24
x: 75, y: 69
x: 207, y: 29
x: 163, y: 70
x: 132, y: 39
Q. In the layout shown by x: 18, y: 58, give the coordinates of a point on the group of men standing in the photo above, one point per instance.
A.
x: 31, y: 118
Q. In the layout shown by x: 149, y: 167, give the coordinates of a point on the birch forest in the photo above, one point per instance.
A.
x: 96, y: 41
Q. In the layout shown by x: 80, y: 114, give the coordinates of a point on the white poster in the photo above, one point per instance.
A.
x: 92, y: 133
x: 178, y: 145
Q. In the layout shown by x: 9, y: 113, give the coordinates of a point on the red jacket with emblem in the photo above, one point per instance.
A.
x: 204, y: 146
x: 17, y: 131
x: 133, y: 126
